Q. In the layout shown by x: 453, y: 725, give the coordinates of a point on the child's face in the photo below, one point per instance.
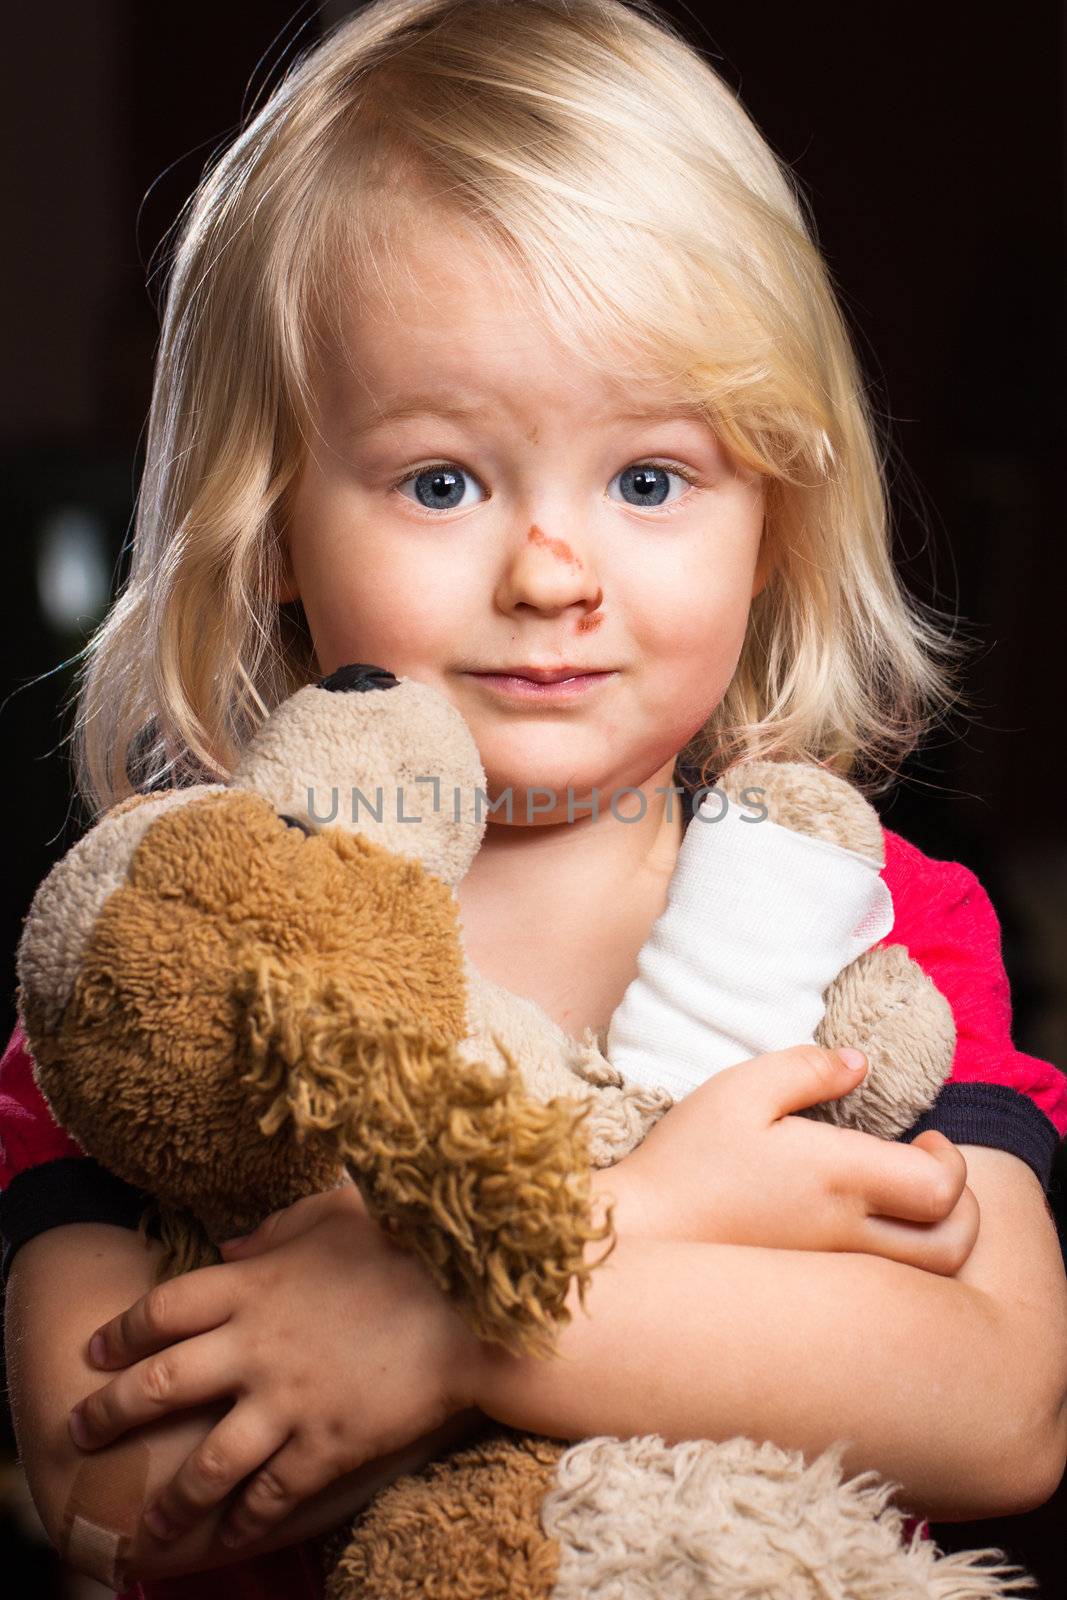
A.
x: 540, y: 544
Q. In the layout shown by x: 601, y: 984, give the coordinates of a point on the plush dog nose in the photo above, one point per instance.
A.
x: 295, y: 822
x: 360, y: 676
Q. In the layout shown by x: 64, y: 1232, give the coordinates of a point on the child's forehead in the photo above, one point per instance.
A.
x: 398, y: 379
x: 403, y: 347
x: 431, y: 283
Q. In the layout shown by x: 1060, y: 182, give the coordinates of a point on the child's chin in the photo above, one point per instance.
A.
x: 559, y: 793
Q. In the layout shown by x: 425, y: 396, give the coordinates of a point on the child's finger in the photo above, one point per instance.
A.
x: 177, y: 1309
x: 285, y: 1482
x: 784, y: 1081
x: 886, y: 1178
x: 187, y: 1374
x: 940, y: 1247
x: 920, y: 1185
x: 240, y: 1443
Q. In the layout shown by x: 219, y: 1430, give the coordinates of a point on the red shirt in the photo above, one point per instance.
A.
x: 995, y: 1095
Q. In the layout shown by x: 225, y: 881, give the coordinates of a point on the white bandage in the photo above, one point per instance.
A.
x: 759, y: 921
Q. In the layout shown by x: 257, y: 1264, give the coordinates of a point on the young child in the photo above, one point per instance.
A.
x: 496, y: 345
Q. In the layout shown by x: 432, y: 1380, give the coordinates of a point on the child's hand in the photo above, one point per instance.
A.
x: 728, y: 1165
x: 336, y: 1346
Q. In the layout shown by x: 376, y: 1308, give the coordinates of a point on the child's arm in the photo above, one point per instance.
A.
x: 921, y: 1372
x: 732, y: 1164
x: 954, y: 1387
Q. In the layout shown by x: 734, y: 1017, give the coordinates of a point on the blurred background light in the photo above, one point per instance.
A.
x: 73, y: 568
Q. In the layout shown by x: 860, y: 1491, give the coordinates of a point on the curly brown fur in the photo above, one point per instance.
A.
x: 456, y: 1162
x: 469, y: 1527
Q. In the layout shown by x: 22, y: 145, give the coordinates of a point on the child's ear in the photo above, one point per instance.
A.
x: 764, y: 565
x: 287, y: 588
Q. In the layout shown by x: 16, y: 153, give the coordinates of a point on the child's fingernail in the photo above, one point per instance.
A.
x: 229, y: 1244
x: 158, y: 1524
x: 853, y: 1059
x: 97, y: 1350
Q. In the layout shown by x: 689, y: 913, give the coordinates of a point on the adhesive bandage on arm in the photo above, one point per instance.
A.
x: 759, y: 921
x: 103, y: 1510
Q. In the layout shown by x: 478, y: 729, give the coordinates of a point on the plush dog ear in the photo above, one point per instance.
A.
x: 454, y: 1161
x: 489, y: 1186
x: 186, y: 1244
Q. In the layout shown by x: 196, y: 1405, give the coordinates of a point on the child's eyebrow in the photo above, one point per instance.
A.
x: 418, y: 405
x: 429, y: 405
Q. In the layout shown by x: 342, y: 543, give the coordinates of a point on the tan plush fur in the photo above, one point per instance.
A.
x: 809, y: 799
x: 231, y: 1013
x: 638, y: 1520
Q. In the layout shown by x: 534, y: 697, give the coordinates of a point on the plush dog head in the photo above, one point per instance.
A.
x: 191, y: 930
x: 237, y: 993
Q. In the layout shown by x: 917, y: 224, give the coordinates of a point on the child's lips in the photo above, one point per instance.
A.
x: 515, y: 687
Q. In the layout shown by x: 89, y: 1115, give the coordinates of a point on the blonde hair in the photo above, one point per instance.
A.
x: 621, y: 182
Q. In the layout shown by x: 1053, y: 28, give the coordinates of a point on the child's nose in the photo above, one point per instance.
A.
x: 550, y: 570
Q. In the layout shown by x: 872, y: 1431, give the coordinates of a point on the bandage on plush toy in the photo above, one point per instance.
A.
x: 760, y: 919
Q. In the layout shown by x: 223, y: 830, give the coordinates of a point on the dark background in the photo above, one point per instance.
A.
x: 932, y: 148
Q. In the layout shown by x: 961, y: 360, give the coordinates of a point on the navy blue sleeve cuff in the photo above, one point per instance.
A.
x: 68, y: 1189
x: 992, y: 1114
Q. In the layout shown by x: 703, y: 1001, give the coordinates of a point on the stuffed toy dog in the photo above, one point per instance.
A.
x: 239, y: 994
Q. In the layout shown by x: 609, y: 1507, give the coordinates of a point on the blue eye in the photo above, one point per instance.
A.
x: 647, y: 480
x: 440, y: 486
